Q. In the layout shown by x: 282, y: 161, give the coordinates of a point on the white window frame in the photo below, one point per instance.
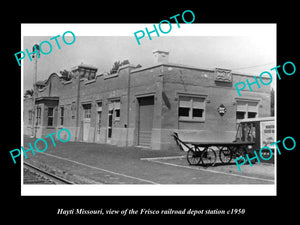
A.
x: 50, y: 116
x: 190, y: 118
x: 114, y: 105
x: 247, y: 101
x: 30, y: 116
x: 87, y: 108
x: 117, y: 106
x: 61, y: 116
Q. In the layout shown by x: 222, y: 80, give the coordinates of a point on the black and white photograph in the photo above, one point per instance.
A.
x: 133, y: 113
x: 103, y: 110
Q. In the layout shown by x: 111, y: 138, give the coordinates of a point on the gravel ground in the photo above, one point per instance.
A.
x: 34, y: 178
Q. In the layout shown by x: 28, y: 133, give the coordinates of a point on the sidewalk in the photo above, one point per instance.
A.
x: 104, y: 163
x: 261, y: 170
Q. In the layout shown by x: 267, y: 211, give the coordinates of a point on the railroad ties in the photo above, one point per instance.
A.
x: 35, y: 175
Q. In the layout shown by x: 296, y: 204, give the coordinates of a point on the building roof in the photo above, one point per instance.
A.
x: 43, y: 98
x: 203, y: 68
x: 82, y: 65
x: 172, y: 65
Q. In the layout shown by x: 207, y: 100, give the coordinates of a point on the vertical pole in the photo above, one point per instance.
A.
x: 34, y: 98
x: 128, y: 105
x: 77, y: 107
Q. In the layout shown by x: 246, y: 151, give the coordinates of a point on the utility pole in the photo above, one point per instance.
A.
x: 34, y: 119
x: 77, y: 106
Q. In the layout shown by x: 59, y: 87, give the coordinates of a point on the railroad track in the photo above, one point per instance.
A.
x: 46, y: 177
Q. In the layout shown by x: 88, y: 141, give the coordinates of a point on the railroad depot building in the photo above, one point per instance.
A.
x: 144, y: 106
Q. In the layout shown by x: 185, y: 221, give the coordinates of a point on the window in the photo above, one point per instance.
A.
x: 184, y: 112
x: 117, y: 109
x: 246, y: 109
x: 114, y: 106
x: 93, y: 75
x: 87, y: 74
x: 240, y: 115
x: 87, y: 111
x: 62, y: 116
x: 197, y: 113
x: 252, y: 114
x: 252, y: 109
x: 117, y: 116
x: 38, y: 115
x: 191, y: 108
x: 73, y: 109
x: 50, y: 116
x: 29, y: 117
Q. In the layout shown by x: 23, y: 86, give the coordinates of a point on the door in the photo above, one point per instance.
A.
x: 86, y: 121
x: 99, y: 113
x: 113, y: 117
x: 145, y: 120
x: 109, y: 124
x: 98, y: 122
x: 86, y: 129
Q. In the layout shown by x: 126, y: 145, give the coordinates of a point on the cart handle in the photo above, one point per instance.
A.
x: 179, y: 142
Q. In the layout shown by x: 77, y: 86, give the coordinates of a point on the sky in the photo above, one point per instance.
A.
x: 250, y: 55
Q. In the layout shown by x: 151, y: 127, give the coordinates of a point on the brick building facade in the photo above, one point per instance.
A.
x: 143, y: 106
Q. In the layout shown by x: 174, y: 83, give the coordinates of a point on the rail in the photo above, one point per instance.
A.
x: 47, y: 174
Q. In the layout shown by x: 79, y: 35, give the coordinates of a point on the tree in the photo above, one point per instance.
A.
x: 28, y: 93
x: 117, y: 64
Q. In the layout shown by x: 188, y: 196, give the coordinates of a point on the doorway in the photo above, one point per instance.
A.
x: 113, y: 118
x: 109, y: 125
x: 145, y: 120
x: 86, y: 121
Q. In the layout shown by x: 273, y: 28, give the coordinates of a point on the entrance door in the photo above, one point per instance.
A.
x: 113, y: 116
x: 145, y: 120
x: 86, y: 121
x: 110, y: 124
x: 98, y: 122
x: 86, y: 128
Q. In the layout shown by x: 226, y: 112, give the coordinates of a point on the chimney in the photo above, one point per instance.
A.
x: 160, y: 57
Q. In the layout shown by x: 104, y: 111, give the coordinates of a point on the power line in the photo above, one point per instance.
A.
x: 253, y: 66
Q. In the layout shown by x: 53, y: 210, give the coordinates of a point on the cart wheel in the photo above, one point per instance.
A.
x: 241, y: 151
x: 208, y: 157
x: 193, y: 157
x: 225, y: 155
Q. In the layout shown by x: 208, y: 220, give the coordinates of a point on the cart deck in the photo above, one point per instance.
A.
x: 207, y: 144
x: 207, y: 155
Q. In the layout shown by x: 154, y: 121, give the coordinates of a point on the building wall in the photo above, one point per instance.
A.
x: 106, y: 89
x: 146, y: 83
x: 180, y: 81
x: 166, y: 82
x: 27, y: 124
x: 102, y: 89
